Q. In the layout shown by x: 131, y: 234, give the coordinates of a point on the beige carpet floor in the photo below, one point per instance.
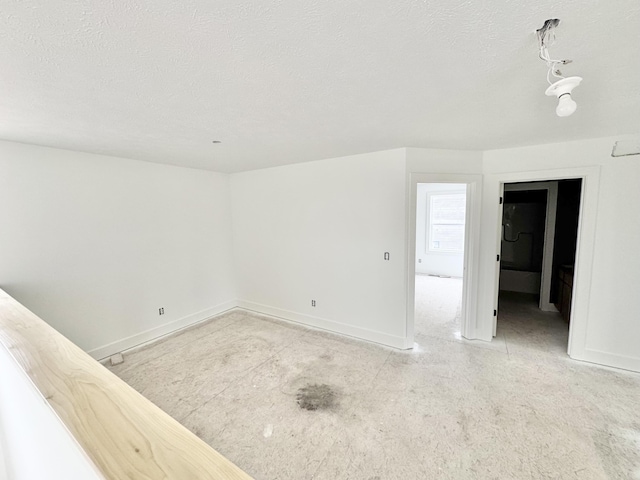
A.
x: 522, y: 326
x: 438, y: 303
x: 287, y: 402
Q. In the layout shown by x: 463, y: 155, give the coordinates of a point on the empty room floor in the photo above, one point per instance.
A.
x: 438, y: 307
x: 286, y: 402
x: 522, y: 326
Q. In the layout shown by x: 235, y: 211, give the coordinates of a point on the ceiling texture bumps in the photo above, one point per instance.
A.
x: 288, y: 81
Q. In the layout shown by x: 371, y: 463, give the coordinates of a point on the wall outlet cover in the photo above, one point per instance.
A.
x: 116, y: 359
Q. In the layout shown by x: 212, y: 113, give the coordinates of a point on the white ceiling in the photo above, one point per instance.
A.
x: 288, y: 81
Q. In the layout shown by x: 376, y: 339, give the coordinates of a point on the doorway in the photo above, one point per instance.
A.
x: 440, y: 239
x: 539, y: 235
x: 443, y: 213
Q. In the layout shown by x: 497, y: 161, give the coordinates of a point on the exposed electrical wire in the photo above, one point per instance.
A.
x: 546, y: 39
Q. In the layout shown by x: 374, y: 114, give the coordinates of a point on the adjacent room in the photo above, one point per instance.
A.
x: 319, y: 240
x: 539, y: 239
x: 440, y: 245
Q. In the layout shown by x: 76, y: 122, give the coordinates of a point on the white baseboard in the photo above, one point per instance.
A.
x: 324, y: 324
x: 593, y: 356
x: 610, y: 360
x: 105, y: 351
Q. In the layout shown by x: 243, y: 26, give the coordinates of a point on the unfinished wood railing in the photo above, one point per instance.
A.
x: 121, y: 432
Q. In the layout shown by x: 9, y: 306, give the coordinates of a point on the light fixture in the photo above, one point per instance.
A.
x: 563, y: 87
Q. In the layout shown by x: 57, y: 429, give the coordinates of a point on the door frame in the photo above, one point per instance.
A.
x: 585, y: 245
x: 471, y: 249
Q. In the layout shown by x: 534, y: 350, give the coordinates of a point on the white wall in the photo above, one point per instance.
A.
x: 612, y: 327
x: 319, y: 231
x: 95, y: 245
x: 34, y: 443
x: 434, y: 263
x: 429, y: 160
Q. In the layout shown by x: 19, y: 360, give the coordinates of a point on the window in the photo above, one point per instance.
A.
x: 446, y: 222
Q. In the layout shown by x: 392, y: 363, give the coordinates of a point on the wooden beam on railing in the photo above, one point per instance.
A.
x: 123, y: 433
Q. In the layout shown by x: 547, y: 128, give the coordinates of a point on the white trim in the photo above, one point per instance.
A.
x: 496, y: 265
x: 471, y: 248
x: 324, y: 324
x: 153, y: 334
x: 549, y: 236
x: 584, y: 249
x: 611, y: 360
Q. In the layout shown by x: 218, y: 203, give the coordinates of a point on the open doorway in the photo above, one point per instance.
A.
x: 439, y: 259
x: 538, y: 252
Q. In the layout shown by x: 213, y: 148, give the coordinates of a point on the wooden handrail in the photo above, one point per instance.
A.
x: 123, y: 433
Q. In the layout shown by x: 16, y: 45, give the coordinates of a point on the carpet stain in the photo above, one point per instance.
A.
x: 316, y: 397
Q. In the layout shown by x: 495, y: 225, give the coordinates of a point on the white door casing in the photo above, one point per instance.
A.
x: 491, y: 232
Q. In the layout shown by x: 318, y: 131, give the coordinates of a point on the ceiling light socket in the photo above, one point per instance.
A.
x: 562, y: 89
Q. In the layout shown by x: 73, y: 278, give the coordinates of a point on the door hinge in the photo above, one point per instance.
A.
x: 495, y: 313
x: 497, y: 258
x: 500, y: 200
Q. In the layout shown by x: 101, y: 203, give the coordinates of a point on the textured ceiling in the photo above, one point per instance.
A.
x: 288, y: 81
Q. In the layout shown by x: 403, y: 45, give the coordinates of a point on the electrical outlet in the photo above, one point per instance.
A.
x: 161, y: 311
x: 313, y: 303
